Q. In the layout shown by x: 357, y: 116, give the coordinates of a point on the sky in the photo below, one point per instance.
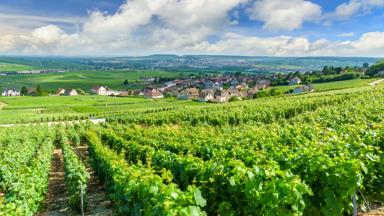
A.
x: 224, y: 27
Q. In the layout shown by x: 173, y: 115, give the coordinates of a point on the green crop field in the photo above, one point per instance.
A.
x: 81, y: 79
x: 54, y: 108
x: 14, y: 67
x: 328, y: 86
x: 304, y: 154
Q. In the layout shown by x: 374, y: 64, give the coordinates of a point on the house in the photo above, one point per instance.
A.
x: 31, y: 90
x: 124, y: 94
x: 172, y: 91
x: 206, y: 95
x: 302, y: 89
x: 72, y: 92
x: 10, y: 93
x: 100, y: 90
x: 189, y: 93
x: 251, y: 92
x: 221, y: 96
x: 153, y: 93
x: 60, y: 91
x: 138, y: 93
x: 233, y: 92
x: 111, y: 92
x: 295, y: 81
x: 263, y: 84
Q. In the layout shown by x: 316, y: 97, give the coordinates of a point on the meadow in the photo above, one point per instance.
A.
x: 14, y: 67
x: 82, y: 79
x: 53, y: 108
x: 328, y: 86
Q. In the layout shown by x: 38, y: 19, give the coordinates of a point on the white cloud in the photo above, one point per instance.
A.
x: 352, y: 8
x: 346, y: 34
x: 283, y: 14
x: 186, y: 26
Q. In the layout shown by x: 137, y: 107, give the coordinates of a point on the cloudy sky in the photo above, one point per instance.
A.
x: 231, y: 27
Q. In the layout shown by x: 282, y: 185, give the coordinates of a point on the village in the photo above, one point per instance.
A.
x: 216, y: 89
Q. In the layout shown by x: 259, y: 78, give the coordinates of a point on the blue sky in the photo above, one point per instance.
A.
x: 245, y: 27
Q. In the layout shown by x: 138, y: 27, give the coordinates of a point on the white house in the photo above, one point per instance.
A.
x: 72, y: 92
x: 100, y: 90
x: 295, y: 81
x: 60, y: 91
x: 10, y: 93
x: 206, y: 95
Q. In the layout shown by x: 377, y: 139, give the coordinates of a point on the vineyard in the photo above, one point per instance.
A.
x: 314, y: 154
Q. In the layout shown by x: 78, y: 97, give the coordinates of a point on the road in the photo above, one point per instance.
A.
x: 374, y: 83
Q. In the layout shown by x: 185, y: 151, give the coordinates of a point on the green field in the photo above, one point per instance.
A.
x: 328, y: 86
x: 14, y: 67
x: 28, y: 109
x: 81, y: 79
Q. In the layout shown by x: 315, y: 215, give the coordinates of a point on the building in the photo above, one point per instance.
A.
x: 295, y: 81
x: 100, y: 90
x: 10, y: 93
x: 153, y: 93
x: 60, y: 91
x: 206, y: 95
x: 221, y: 96
x: 189, y: 93
x: 72, y: 92
x: 302, y: 89
x: 251, y: 92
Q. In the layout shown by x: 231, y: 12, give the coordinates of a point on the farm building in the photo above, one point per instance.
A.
x: 100, y: 90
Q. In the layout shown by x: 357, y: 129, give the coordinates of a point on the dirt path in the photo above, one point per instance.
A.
x: 376, y: 212
x: 98, y: 202
x: 56, y: 201
x: 374, y: 83
x: 2, y: 105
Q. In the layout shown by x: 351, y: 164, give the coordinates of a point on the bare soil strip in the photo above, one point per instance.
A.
x: 56, y: 201
x: 97, y: 198
x: 374, y: 83
x: 375, y: 212
x: 2, y: 105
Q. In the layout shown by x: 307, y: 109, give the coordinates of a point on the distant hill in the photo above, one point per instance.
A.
x: 195, y: 63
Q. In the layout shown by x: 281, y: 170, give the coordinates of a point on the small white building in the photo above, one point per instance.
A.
x: 72, y: 92
x: 206, y: 95
x: 11, y: 93
x: 295, y: 81
x: 100, y: 90
x: 60, y: 91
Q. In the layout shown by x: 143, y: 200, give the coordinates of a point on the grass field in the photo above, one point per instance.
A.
x: 28, y: 109
x: 331, y: 85
x: 81, y: 79
x: 14, y: 67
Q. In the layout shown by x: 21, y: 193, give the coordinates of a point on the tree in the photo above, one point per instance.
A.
x: 24, y: 90
x: 39, y: 91
x: 366, y: 65
x: 126, y: 82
